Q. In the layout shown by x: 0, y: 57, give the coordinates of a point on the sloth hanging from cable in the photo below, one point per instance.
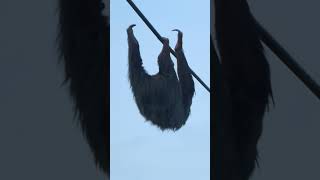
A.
x: 84, y: 48
x: 246, y: 85
x: 162, y: 99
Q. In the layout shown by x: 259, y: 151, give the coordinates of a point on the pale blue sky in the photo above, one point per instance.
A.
x: 139, y: 150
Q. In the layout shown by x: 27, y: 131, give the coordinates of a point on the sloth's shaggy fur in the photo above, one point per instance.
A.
x: 247, y: 88
x: 161, y: 98
x: 84, y: 47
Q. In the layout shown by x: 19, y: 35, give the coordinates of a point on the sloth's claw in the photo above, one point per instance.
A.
x: 130, y: 28
x: 179, y: 41
x: 165, y: 41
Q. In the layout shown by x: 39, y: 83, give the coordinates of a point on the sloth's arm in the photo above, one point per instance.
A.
x: 184, y: 73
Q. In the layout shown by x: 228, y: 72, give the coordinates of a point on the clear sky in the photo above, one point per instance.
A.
x: 139, y: 150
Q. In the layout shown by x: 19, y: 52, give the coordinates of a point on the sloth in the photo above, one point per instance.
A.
x: 84, y: 50
x: 163, y: 99
x: 244, y: 90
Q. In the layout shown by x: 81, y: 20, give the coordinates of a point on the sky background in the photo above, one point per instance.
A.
x: 140, y: 150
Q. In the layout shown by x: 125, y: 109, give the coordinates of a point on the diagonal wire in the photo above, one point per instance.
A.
x: 288, y: 60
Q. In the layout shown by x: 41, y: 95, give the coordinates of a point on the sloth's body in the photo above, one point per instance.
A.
x: 161, y: 98
x: 247, y: 88
x: 84, y: 48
